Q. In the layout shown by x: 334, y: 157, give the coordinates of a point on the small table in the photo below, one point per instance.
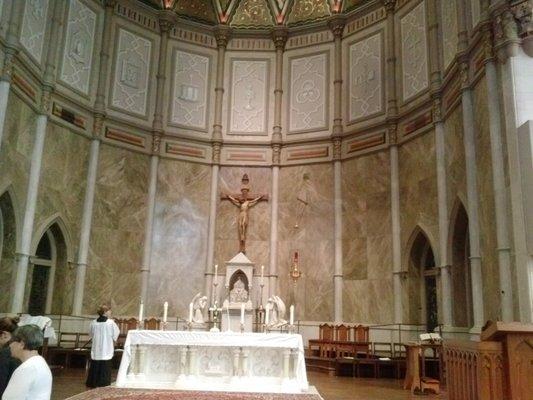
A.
x: 415, y: 375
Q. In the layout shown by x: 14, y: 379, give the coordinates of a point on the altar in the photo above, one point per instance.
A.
x: 218, y: 361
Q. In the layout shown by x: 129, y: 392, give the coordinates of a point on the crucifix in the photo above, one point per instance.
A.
x: 244, y: 201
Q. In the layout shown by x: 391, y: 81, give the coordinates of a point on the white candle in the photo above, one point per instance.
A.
x: 292, y: 314
x: 190, y: 312
x: 267, y: 315
x: 216, y: 273
x: 141, y: 308
x: 242, y: 313
x: 229, y: 321
x: 165, y: 311
x: 262, y: 274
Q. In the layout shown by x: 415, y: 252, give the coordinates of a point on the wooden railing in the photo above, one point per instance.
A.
x: 475, y: 370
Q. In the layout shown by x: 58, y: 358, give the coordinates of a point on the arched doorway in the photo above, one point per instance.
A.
x: 423, y: 283
x: 460, y: 270
x: 8, y: 246
x: 50, y: 284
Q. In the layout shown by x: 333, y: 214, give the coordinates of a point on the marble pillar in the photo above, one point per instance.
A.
x: 29, y: 215
x: 11, y: 47
x: 472, y: 205
x: 501, y: 204
x: 336, y: 25
x: 279, y: 36
x: 86, y: 222
x: 213, y: 198
x: 395, y: 218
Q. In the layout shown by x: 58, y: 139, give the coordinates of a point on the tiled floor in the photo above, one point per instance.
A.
x: 72, y: 382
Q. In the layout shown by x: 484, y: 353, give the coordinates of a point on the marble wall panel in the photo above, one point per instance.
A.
x: 179, y: 247
x: 418, y: 207
x: 258, y: 234
x: 448, y: 12
x: 366, y: 233
x: 487, y: 213
x: 34, y: 27
x: 15, y: 156
x: 117, y: 237
x: 313, y: 238
x: 455, y: 158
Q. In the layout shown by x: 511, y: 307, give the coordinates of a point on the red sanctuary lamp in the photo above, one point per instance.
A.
x: 295, y: 273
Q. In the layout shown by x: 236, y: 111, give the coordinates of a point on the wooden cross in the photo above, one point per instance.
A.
x: 244, y: 200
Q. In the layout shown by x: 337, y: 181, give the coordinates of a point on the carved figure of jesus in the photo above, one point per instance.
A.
x: 244, y: 205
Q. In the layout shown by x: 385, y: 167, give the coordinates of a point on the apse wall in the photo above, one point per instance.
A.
x: 135, y: 126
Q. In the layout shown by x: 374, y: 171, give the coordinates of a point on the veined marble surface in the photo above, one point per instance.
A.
x: 487, y: 214
x: 313, y: 239
x: 179, y: 246
x: 418, y: 207
x: 367, y: 295
x: 117, y: 235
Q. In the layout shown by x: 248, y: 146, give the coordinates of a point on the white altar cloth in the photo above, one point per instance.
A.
x: 225, y: 361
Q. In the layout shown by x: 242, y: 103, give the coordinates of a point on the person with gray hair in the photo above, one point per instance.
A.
x: 32, y: 380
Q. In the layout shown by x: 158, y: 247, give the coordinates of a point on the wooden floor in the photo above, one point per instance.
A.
x: 72, y: 382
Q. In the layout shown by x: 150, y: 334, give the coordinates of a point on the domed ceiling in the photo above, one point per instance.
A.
x: 257, y: 14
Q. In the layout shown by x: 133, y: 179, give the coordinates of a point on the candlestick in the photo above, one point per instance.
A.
x: 190, y: 312
x: 242, y: 313
x: 165, y: 312
x: 229, y: 321
x: 267, y: 315
x: 291, y: 315
x: 262, y: 274
x: 216, y: 274
x: 141, y: 309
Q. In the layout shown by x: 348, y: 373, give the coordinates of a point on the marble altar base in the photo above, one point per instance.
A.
x: 224, y: 361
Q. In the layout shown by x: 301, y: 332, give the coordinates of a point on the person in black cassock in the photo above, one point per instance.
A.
x: 104, y: 333
x: 8, y: 363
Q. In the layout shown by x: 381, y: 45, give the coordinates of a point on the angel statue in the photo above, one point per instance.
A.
x: 276, y: 308
x: 199, y: 304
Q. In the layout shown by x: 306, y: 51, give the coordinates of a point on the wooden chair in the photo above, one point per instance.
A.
x: 342, y: 333
x: 361, y: 333
x: 152, y: 324
x: 326, y: 332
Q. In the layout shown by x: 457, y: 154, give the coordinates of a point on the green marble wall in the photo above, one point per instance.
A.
x: 366, y: 223
x: 117, y: 236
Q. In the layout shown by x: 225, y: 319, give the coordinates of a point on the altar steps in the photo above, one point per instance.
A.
x: 320, y: 364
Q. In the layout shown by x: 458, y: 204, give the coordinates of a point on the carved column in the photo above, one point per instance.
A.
x: 512, y: 26
x: 222, y: 35
x: 279, y: 36
x: 336, y: 25
x: 167, y: 19
x: 501, y: 204
x: 11, y: 48
x: 36, y: 161
x: 440, y: 153
x: 392, y: 115
x: 92, y: 169
x: 471, y: 171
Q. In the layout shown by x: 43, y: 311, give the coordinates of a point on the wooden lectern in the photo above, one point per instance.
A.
x: 517, y: 347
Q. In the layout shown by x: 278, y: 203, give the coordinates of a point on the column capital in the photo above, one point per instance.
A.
x: 98, y: 125
x: 392, y: 131
x: 156, y: 142
x: 337, y: 148
x: 280, y: 34
x: 389, y: 5
x: 487, y: 41
x: 437, y: 109
x: 524, y: 15
x: 401, y: 274
x: 337, y: 23
x: 276, y: 154
x: 505, y: 29
x: 110, y: 3
x: 167, y: 20
x: 464, y: 74
x: 46, y: 100
x: 222, y: 35
x: 217, y: 147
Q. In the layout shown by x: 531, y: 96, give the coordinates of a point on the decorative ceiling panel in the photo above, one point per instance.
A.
x: 200, y: 10
x: 305, y: 11
x: 252, y: 13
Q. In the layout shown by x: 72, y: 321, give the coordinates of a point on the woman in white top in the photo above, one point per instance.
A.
x: 32, y: 380
x: 104, y: 333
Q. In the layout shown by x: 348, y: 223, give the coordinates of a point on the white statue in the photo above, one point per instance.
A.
x: 238, y: 294
x: 199, y: 303
x: 277, y: 310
